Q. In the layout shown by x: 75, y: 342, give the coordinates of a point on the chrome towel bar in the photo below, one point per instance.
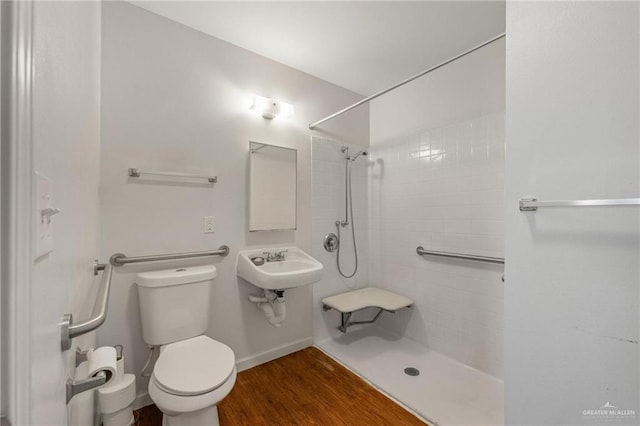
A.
x: 532, y: 204
x: 421, y: 251
x: 120, y: 259
x: 135, y: 172
x: 69, y: 329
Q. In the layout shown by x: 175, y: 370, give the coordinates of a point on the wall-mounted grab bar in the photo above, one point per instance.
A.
x: 420, y: 250
x: 69, y: 329
x: 135, y: 172
x: 120, y: 259
x: 532, y: 204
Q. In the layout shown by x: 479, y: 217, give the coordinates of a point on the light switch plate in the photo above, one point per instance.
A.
x: 44, y: 225
x: 209, y: 224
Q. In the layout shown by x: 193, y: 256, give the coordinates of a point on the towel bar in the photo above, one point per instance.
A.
x: 532, y: 204
x: 135, y: 172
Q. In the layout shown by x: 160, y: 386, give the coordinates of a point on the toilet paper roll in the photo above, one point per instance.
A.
x: 102, y: 359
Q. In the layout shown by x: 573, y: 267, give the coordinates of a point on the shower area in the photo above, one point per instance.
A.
x: 433, y: 177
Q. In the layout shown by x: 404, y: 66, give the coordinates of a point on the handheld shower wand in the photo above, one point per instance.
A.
x: 348, y: 199
x: 348, y: 209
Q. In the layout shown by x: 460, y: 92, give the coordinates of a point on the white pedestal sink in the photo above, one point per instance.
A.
x: 297, y: 269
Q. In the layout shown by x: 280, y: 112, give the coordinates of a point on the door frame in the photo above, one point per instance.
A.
x: 17, y: 203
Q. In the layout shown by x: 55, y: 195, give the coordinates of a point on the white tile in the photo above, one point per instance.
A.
x: 450, y: 199
x: 439, y: 188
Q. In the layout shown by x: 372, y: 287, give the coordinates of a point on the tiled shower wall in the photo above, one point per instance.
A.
x: 328, y: 205
x: 442, y: 188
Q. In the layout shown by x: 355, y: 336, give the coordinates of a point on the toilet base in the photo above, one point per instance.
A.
x: 207, y: 416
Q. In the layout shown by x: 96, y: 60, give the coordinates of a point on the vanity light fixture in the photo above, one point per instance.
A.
x: 271, y: 108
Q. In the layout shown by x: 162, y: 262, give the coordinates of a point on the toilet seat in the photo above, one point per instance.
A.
x: 174, y: 405
x: 193, y: 367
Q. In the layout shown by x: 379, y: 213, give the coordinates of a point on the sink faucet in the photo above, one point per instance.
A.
x: 275, y: 256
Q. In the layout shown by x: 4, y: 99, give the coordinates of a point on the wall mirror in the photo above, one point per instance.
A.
x: 272, y: 187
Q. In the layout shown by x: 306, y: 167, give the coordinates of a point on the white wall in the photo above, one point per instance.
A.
x: 176, y: 99
x: 328, y: 205
x: 66, y: 148
x: 437, y: 152
x: 571, y: 296
x: 465, y: 89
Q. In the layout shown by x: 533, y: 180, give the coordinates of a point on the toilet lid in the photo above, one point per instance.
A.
x: 193, y: 366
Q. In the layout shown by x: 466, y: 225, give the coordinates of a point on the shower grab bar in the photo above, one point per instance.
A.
x: 532, y: 204
x: 135, y: 172
x: 421, y: 251
x: 408, y: 80
x: 69, y: 329
x: 120, y: 259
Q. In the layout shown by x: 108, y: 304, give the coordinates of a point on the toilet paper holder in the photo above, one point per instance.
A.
x: 74, y: 387
x: 82, y: 356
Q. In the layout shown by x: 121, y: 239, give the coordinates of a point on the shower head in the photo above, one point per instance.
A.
x: 363, y: 152
x: 345, y: 151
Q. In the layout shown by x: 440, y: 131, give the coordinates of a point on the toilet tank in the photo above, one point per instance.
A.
x: 174, y: 303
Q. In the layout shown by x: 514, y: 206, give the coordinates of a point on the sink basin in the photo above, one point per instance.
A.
x: 297, y: 269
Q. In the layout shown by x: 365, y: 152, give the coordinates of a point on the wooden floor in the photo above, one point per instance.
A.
x: 304, y: 388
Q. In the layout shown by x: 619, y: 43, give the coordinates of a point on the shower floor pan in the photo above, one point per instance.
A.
x: 445, y: 392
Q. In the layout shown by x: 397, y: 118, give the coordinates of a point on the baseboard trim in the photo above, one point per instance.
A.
x: 143, y: 399
x: 254, y: 360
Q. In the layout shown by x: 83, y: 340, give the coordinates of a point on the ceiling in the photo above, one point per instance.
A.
x: 362, y: 46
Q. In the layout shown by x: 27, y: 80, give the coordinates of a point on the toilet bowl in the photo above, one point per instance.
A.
x: 189, y: 378
x: 193, y: 372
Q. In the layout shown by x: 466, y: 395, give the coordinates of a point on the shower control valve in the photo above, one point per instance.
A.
x: 330, y: 242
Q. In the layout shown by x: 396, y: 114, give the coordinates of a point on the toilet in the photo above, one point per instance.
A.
x: 193, y: 372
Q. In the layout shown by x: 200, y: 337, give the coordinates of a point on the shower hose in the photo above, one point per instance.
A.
x: 353, y: 228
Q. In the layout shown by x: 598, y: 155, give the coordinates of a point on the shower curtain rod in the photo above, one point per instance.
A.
x: 402, y: 83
